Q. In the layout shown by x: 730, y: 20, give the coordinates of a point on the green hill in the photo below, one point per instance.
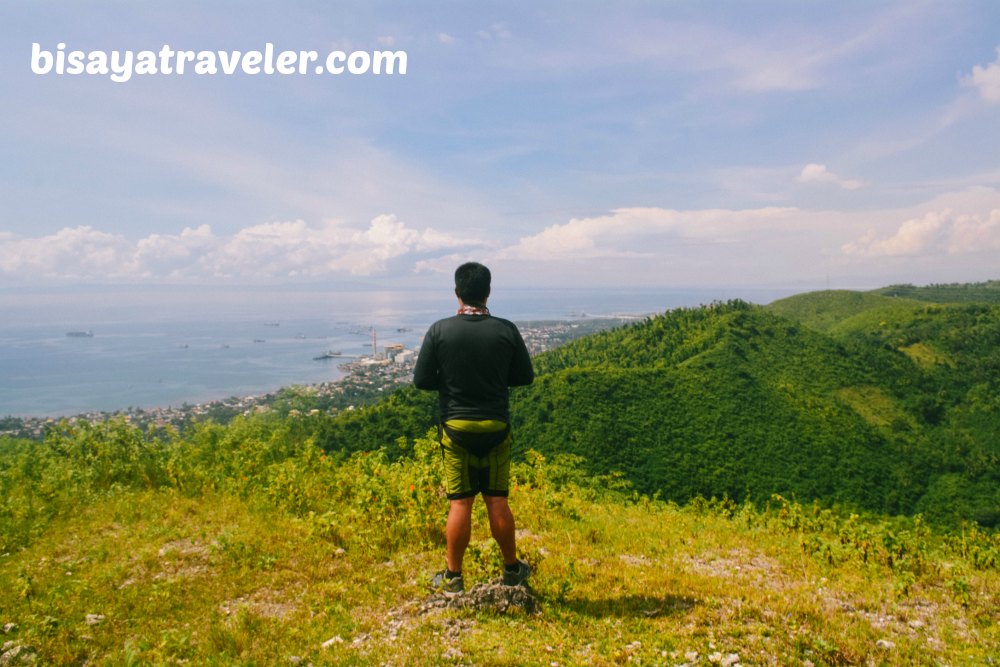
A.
x: 733, y: 400
x: 872, y: 402
x: 828, y: 309
x: 954, y: 352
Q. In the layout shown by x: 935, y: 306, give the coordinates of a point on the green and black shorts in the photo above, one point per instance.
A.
x: 476, y: 458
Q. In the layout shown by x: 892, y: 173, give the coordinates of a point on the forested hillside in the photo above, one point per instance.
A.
x: 872, y: 402
x: 954, y: 352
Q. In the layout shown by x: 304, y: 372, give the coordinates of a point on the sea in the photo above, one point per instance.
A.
x: 166, y: 347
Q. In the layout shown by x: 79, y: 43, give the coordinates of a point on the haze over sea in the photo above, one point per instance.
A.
x: 159, y: 347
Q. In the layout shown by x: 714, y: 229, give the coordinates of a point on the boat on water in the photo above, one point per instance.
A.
x: 80, y: 334
x: 330, y: 354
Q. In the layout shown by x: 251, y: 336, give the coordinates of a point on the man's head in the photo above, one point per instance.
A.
x: 472, y: 283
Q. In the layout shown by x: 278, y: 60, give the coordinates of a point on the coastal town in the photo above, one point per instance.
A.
x: 366, y: 378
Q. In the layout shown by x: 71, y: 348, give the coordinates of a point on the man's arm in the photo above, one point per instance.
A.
x: 521, y: 371
x: 425, y: 373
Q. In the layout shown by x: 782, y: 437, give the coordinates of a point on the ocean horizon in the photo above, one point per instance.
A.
x: 167, y: 347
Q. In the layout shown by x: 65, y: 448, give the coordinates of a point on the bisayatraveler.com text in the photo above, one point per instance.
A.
x: 121, y: 66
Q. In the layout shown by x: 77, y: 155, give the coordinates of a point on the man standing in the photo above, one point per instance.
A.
x: 471, y: 360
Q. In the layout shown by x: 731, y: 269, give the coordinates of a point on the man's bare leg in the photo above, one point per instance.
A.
x: 502, y: 527
x: 458, y: 531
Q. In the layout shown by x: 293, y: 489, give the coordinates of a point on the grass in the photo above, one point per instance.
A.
x: 926, y: 356
x: 873, y: 405
x: 236, y: 574
x: 829, y: 310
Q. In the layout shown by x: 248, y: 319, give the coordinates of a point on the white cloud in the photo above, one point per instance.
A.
x: 818, y: 173
x: 167, y: 255
x: 268, y: 250
x: 77, y: 252
x: 443, y: 264
x: 445, y: 38
x: 644, y: 232
x: 386, y: 40
x: 954, y: 236
x: 986, y: 79
x: 936, y: 233
x: 294, y: 249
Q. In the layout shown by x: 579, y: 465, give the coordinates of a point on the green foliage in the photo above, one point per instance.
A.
x: 880, y: 403
x: 740, y: 414
x: 405, y: 413
x: 248, y: 543
x: 728, y: 399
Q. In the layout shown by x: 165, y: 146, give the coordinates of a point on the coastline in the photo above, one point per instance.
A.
x: 367, y: 378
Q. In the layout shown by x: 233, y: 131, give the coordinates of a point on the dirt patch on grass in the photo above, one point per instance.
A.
x: 736, y: 563
x: 182, y: 559
x: 265, y: 603
x: 183, y: 549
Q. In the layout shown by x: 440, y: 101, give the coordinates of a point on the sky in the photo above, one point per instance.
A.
x: 650, y: 144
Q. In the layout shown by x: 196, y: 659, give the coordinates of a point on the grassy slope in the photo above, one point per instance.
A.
x: 265, y: 561
x: 828, y: 310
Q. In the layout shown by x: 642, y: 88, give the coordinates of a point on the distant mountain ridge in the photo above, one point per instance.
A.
x: 985, y: 292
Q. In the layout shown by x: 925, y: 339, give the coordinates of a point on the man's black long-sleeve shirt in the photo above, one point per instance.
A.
x: 471, y: 360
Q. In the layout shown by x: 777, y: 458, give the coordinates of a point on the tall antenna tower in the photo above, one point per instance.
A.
x: 374, y: 343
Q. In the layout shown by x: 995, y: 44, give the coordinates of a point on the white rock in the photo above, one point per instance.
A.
x: 94, y: 619
x: 18, y: 653
x: 332, y: 640
x: 885, y: 645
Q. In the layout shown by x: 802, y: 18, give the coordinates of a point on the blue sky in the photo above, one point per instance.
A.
x: 664, y: 144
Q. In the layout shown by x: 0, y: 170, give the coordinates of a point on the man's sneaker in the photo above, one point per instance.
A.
x: 442, y: 584
x: 518, y: 576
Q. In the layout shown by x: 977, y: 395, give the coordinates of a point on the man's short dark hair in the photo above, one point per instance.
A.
x: 472, y: 283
